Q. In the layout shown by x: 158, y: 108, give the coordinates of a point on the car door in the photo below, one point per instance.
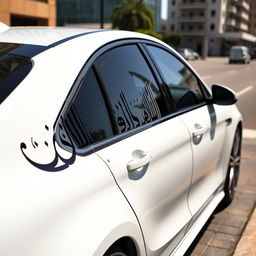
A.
x: 150, y: 157
x: 205, y: 122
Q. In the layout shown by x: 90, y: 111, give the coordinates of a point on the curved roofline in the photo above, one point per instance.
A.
x: 31, y: 50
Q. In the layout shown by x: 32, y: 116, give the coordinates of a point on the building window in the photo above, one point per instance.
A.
x: 173, y: 2
x: 191, y: 14
x: 213, y: 12
x: 212, y: 26
x: 172, y: 27
x: 173, y: 15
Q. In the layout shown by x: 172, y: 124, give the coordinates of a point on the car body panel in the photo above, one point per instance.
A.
x: 207, y: 165
x: 158, y: 210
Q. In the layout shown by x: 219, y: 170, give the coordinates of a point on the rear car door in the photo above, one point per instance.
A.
x: 205, y: 122
x: 150, y: 157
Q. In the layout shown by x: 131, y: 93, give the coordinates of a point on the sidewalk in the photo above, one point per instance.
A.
x: 247, y: 243
x: 224, y: 230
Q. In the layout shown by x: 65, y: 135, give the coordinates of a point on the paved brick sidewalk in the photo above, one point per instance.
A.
x: 223, y: 231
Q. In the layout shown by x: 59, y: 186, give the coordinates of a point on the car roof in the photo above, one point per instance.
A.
x: 42, y: 36
x: 239, y: 47
x: 31, y: 41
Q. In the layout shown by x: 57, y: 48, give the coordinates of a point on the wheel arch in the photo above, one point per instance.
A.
x: 127, y: 244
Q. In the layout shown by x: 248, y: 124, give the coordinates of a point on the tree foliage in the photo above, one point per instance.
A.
x: 150, y: 33
x: 173, y: 39
x: 132, y: 15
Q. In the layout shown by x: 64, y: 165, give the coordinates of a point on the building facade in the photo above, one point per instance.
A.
x: 222, y: 23
x: 87, y: 12
x: 28, y: 12
x: 252, y: 17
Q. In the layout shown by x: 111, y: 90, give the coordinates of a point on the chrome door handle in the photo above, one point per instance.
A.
x: 199, y: 129
x: 141, y: 159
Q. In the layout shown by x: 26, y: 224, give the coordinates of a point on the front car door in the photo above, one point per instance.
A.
x: 205, y: 122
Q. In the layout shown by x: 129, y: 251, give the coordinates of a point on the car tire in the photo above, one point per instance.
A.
x: 115, y: 251
x: 233, y: 170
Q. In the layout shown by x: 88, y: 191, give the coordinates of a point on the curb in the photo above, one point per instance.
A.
x: 246, y: 245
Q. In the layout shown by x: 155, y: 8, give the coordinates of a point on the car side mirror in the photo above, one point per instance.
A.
x: 222, y: 95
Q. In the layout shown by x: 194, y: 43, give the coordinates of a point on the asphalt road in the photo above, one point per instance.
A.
x: 239, y: 77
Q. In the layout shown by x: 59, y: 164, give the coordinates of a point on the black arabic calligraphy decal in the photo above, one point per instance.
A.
x: 58, y: 162
x: 131, y: 115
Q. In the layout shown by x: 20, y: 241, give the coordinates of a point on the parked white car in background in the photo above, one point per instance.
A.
x: 111, y: 145
x: 188, y: 54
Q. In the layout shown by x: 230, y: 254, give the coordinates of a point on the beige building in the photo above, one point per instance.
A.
x: 223, y: 22
x: 252, y: 24
x: 28, y: 12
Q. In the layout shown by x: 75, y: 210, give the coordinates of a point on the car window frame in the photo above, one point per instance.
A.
x: 75, y: 89
x: 171, y: 112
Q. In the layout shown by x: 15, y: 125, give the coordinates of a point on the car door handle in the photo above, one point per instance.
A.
x: 199, y: 129
x: 140, y: 159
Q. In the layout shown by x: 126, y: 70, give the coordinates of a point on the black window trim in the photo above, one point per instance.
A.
x: 94, y: 147
x: 106, y: 99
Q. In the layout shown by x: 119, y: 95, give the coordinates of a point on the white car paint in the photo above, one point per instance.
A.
x: 85, y: 208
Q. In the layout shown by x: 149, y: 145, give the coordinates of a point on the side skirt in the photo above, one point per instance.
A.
x: 197, y: 226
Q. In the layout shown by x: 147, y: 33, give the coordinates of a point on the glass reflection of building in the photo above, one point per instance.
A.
x: 87, y: 11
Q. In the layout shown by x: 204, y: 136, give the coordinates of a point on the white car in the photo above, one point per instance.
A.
x: 239, y: 54
x: 111, y: 145
x: 188, y: 54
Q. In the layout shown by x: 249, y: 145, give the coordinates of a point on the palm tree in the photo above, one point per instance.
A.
x: 132, y: 15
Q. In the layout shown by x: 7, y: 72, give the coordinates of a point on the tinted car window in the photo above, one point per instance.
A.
x: 182, y: 84
x: 13, y: 69
x: 133, y: 93
x: 87, y: 119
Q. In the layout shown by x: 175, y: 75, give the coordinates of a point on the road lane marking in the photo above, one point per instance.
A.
x: 249, y: 134
x: 245, y: 90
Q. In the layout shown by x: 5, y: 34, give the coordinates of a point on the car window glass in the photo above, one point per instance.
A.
x: 134, y: 96
x: 13, y: 69
x: 182, y: 84
x: 87, y: 119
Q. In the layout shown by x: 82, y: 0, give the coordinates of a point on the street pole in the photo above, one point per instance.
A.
x: 205, y: 36
x: 101, y: 13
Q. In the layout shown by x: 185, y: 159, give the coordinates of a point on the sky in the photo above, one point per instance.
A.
x: 164, y: 9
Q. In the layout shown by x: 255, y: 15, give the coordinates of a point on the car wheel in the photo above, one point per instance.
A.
x: 115, y: 251
x: 233, y: 170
